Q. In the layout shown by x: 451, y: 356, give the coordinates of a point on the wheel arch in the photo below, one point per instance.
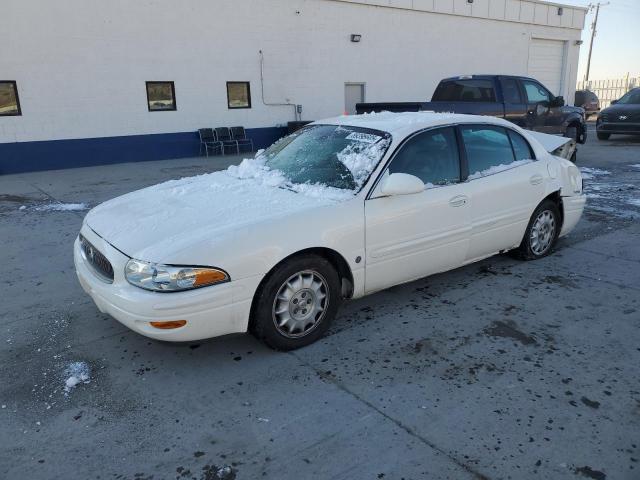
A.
x: 576, y: 121
x: 556, y: 198
x: 332, y: 256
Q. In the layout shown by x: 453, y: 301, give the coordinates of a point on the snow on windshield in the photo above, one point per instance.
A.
x: 256, y: 169
x: 361, y: 162
x: 326, y: 161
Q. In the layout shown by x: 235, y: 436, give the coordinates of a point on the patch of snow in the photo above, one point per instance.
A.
x: 498, y: 169
x: 589, y: 173
x: 255, y: 169
x: 225, y: 472
x: 23, y: 207
x: 362, y: 162
x: 634, y: 201
x: 76, y: 372
x: 635, y: 165
x: 62, y: 207
x: 265, y: 420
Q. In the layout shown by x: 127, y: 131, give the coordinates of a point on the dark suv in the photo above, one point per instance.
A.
x: 623, y: 116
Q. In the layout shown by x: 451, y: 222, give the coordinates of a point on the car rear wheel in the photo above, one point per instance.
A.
x: 603, y: 136
x: 542, y: 232
x: 297, y: 303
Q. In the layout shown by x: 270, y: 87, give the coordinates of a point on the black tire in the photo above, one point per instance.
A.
x: 263, y: 322
x: 603, y: 136
x: 526, y: 250
x: 571, y: 132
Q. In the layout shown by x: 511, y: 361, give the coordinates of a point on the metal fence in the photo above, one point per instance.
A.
x: 608, y: 90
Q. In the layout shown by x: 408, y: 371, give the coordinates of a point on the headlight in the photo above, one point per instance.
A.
x: 167, y: 278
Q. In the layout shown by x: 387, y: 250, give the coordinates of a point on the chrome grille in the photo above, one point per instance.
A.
x: 98, y: 262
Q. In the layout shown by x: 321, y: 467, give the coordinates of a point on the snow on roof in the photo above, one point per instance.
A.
x: 406, y: 122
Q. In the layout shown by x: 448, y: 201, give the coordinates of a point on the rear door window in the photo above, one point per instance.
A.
x: 465, y: 91
x: 489, y: 150
x: 431, y: 156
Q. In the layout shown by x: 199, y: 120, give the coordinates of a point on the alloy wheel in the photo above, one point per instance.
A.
x: 543, y: 232
x: 300, y: 304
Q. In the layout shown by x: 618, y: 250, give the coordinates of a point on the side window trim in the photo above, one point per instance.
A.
x: 462, y: 155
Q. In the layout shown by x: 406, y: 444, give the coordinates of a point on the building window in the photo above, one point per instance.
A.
x: 238, y: 95
x: 9, y: 101
x: 161, y: 96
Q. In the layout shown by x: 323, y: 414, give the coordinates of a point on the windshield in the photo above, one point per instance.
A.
x: 630, y: 98
x: 340, y: 157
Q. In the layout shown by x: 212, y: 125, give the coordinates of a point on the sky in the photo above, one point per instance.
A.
x: 616, y: 48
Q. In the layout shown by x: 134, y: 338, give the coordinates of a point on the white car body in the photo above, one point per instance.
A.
x: 381, y: 240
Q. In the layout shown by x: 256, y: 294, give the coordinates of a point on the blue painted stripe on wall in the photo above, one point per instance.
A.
x: 22, y: 157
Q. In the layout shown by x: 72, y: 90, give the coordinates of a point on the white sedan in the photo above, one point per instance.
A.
x: 340, y: 209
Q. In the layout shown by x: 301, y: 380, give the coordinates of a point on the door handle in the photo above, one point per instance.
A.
x: 458, y: 201
x: 536, y: 180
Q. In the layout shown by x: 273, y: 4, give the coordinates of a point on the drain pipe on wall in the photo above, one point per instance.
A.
x: 297, y: 109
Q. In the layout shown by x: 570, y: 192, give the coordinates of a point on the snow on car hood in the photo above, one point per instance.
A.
x: 174, y: 215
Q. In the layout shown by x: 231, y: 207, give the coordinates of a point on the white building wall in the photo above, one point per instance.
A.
x: 81, y: 65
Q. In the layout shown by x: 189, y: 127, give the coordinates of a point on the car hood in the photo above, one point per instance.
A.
x: 573, y: 109
x: 163, y: 221
x: 619, y: 109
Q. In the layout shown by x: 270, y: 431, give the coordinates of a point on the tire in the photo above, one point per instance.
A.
x: 534, y: 247
x: 572, y: 132
x: 603, y: 136
x: 277, y: 318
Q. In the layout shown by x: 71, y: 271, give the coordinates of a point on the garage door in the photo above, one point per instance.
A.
x: 546, y: 63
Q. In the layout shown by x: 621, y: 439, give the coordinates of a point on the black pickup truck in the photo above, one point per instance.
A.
x: 521, y: 100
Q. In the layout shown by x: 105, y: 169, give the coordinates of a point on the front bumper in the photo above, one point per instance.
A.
x: 572, y: 208
x: 629, y: 128
x: 209, y: 312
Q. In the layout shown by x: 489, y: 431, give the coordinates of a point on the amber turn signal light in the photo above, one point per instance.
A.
x: 208, y: 277
x: 171, y: 325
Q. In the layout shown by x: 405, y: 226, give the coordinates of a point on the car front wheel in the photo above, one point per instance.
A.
x: 542, y: 232
x: 297, y: 303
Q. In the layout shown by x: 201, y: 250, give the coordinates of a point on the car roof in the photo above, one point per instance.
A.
x: 405, y: 123
x: 486, y: 76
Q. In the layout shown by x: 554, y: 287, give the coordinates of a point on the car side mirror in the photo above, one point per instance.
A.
x: 401, y: 184
x: 613, y: 102
x: 557, y: 102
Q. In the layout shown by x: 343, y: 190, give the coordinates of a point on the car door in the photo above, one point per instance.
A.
x: 411, y: 236
x: 540, y: 115
x: 505, y: 185
x: 515, y: 108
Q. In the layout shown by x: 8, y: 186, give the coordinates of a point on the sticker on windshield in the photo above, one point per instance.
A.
x: 363, y: 137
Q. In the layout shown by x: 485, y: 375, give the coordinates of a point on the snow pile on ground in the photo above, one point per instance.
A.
x: 62, y: 207
x: 255, y: 169
x: 76, y: 372
x: 589, y: 173
x: 635, y: 165
x: 498, y: 169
